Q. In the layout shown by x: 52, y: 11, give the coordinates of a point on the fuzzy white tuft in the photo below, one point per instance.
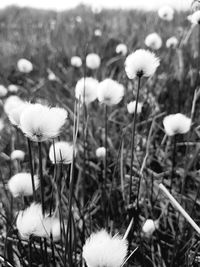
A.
x: 61, y: 152
x: 172, y: 42
x: 89, y: 85
x: 153, y: 41
x: 40, y: 123
x: 166, y: 13
x: 149, y: 227
x: 121, y: 49
x: 141, y: 63
x: 93, y: 61
x: 21, y: 184
x: 17, y: 154
x: 98, y: 33
x: 24, y: 65
x: 3, y: 90
x: 76, y: 61
x: 12, y: 88
x: 15, y: 113
x: 131, y: 107
x: 12, y: 102
x: 176, y: 124
x: 102, y: 250
x: 110, y: 92
x: 101, y: 152
x: 195, y: 17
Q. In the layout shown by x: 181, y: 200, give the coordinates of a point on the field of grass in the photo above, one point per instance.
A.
x: 120, y: 191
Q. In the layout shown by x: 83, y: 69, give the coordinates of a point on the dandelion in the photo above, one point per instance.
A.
x: 101, y: 152
x: 101, y: 249
x: 176, y: 124
x: 17, y: 155
x: 40, y: 123
x: 93, y: 61
x: 172, y: 42
x: 61, y: 152
x: 195, y: 17
x: 149, y: 227
x: 3, y: 91
x: 153, y: 41
x: 141, y: 63
x: 76, y: 61
x: 86, y: 90
x: 121, y: 49
x: 12, y: 88
x: 98, y: 33
x: 166, y: 13
x: 110, y: 92
x: 131, y: 107
x: 24, y: 65
x: 21, y: 184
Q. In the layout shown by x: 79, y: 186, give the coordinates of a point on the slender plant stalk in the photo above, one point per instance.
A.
x: 173, y: 162
x: 31, y: 167
x: 104, y: 195
x: 133, y: 140
x: 41, y: 176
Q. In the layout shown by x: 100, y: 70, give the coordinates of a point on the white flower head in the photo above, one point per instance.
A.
x: 93, y: 61
x: 86, y: 89
x: 76, y: 61
x: 12, y: 88
x: 17, y: 155
x: 153, y: 41
x: 15, y: 113
x: 141, y: 63
x: 149, y: 227
x: 61, y: 152
x: 40, y: 123
x: 12, y: 102
x: 121, y: 49
x: 131, y: 107
x: 101, y: 249
x: 176, y: 124
x: 166, y: 13
x: 101, y: 152
x: 195, y: 17
x: 98, y: 32
x: 21, y: 184
x: 78, y: 19
x: 24, y: 65
x: 96, y: 8
x: 110, y: 92
x: 172, y: 42
x: 52, y: 76
x: 3, y: 90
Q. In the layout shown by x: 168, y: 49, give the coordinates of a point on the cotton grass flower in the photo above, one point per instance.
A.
x: 172, y: 42
x: 3, y: 90
x: 176, y: 124
x: 12, y: 88
x: 121, y: 49
x: 93, y: 61
x: 21, y: 184
x: 76, y: 61
x: 61, y: 152
x: 14, y: 114
x: 40, y: 123
x: 195, y: 17
x: 131, y: 107
x: 12, y: 102
x: 166, y: 13
x: 86, y: 90
x: 24, y: 65
x: 31, y: 222
x: 141, y: 63
x: 101, y: 249
x: 17, y: 155
x: 110, y: 92
x: 149, y: 227
x: 153, y: 41
x: 101, y: 152
x: 98, y: 33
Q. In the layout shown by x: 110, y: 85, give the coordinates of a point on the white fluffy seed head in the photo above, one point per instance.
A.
x: 61, y: 152
x: 195, y: 17
x: 15, y: 113
x: 86, y: 89
x: 12, y: 102
x: 101, y: 152
x: 172, y: 42
x: 98, y: 32
x: 21, y: 184
x: 131, y: 107
x: 17, y: 155
x: 153, y: 41
x: 24, y: 65
x: 149, y: 227
x: 110, y: 92
x: 141, y: 63
x: 76, y: 61
x: 93, y: 61
x: 121, y: 49
x: 3, y: 90
x: 166, y: 13
x: 12, y: 88
x: 102, y: 250
x: 176, y: 124
x: 40, y: 123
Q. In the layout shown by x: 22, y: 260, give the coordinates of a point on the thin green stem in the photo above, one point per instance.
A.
x: 31, y: 167
x: 41, y: 176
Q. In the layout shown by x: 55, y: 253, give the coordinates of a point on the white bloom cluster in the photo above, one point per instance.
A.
x: 166, y: 13
x: 131, y: 107
x: 172, y: 42
x: 17, y: 155
x: 176, y: 124
x: 24, y: 65
x: 149, y: 227
x: 76, y: 61
x: 61, y: 152
x: 93, y: 61
x: 121, y: 49
x: 3, y: 90
x: 101, y: 152
x: 195, y: 17
x: 153, y: 41
x: 12, y: 88
x: 86, y: 89
x: 102, y: 250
